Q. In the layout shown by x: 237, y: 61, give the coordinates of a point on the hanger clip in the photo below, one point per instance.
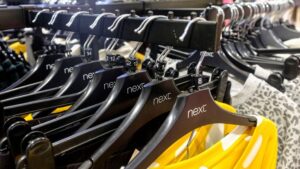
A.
x: 131, y: 64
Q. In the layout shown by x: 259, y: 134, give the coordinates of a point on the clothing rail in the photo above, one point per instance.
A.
x: 165, y: 32
x: 141, y: 7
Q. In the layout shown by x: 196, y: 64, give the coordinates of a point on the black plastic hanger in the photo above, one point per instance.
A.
x: 122, y: 98
x: 157, y: 98
x: 101, y: 85
x: 32, y: 141
x: 190, y: 111
x: 219, y: 59
x: 31, y: 96
x: 19, y: 90
x: 39, y: 72
x: 59, y: 75
x: 284, y: 32
x: 57, y: 128
x: 39, y: 105
x: 61, y: 71
x: 77, y: 82
x: 75, y: 86
x: 99, y: 88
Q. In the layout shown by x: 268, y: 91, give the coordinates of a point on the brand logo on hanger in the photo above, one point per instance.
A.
x: 68, y: 70
x: 88, y: 76
x: 135, y: 88
x: 109, y: 85
x: 161, y: 99
x: 196, y: 111
x: 49, y: 66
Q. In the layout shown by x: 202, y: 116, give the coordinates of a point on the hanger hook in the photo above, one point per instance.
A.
x: 86, y: 42
x: 38, y: 14
x: 116, y: 22
x: 165, y: 53
x: 54, y: 36
x: 68, y: 40
x: 91, y: 38
x: 242, y: 11
x: 54, y: 16
x: 74, y: 16
x: 189, y: 25
x: 135, y: 50
x: 94, y: 24
x: 146, y: 22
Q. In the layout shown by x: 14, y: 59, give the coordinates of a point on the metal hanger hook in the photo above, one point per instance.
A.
x: 117, y: 21
x: 242, y: 14
x: 94, y: 24
x: 189, y: 25
x: 135, y: 50
x: 38, y: 14
x: 54, y: 16
x: 165, y: 53
x: 203, y: 54
x: 146, y: 22
x: 74, y: 16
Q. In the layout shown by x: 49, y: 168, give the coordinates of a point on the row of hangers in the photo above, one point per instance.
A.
x: 110, y: 110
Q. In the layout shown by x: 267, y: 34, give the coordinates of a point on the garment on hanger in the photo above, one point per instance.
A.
x: 259, y: 98
x: 243, y: 147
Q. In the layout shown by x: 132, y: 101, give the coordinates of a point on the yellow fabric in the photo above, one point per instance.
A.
x: 61, y: 109
x: 140, y: 57
x: 243, y: 147
x: 18, y: 47
x: 29, y: 117
x: 178, y: 151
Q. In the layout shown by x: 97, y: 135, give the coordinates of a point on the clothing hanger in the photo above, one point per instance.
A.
x: 236, y: 50
x: 58, y: 76
x: 61, y: 128
x: 19, y: 90
x: 157, y: 99
x: 31, y: 96
x: 187, y: 114
x: 67, y: 94
x: 42, y: 67
x: 71, y: 85
x: 39, y: 72
x: 266, y: 35
x: 98, y: 89
x: 217, y: 59
x: 127, y: 87
x: 104, y: 78
x: 179, y: 82
x: 93, y: 135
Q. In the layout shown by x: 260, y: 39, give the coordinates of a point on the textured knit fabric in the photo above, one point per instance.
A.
x: 259, y: 98
x: 292, y: 87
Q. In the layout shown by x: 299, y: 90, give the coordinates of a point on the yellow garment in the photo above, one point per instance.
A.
x: 29, y: 117
x: 243, y: 148
x: 18, y: 47
x: 61, y: 109
x: 178, y: 151
x: 140, y: 57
